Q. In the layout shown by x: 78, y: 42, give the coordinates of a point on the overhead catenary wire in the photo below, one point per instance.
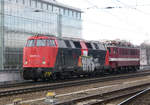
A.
x: 115, y: 16
x: 103, y: 9
x: 121, y: 13
x: 133, y: 7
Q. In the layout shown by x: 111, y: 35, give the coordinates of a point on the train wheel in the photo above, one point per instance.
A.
x: 135, y: 69
x: 111, y: 71
x: 117, y: 71
x: 43, y: 79
x: 25, y: 74
x: 62, y: 77
x: 35, y: 79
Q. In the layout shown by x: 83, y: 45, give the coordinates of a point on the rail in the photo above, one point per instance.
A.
x: 134, y: 96
x: 52, y: 86
x: 100, y: 99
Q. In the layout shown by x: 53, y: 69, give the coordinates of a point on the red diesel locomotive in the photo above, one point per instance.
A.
x: 49, y: 57
x: 46, y: 57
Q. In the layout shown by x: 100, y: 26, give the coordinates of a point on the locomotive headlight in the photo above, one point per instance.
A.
x: 26, y: 63
x: 44, y: 62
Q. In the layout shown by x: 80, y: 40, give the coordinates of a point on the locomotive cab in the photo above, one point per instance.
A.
x: 39, y: 53
x: 36, y: 52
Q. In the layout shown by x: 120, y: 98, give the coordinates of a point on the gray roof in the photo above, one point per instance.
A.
x: 53, y: 2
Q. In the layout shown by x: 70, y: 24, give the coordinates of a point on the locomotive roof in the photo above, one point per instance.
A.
x: 72, y: 39
x: 119, y: 43
x: 134, y: 47
x: 41, y: 36
x: 64, y: 38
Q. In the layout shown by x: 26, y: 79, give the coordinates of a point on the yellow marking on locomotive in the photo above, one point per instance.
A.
x: 47, y: 74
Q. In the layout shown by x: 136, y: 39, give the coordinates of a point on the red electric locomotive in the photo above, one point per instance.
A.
x: 47, y: 57
x: 123, y: 56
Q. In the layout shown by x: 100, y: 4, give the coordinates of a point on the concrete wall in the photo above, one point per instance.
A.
x: 10, y: 76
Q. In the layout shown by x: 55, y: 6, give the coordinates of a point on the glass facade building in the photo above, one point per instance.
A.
x: 20, y: 19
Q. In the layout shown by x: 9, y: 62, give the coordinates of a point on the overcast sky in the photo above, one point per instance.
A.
x: 128, y: 19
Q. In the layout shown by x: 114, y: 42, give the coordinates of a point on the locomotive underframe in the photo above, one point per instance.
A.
x: 51, y: 73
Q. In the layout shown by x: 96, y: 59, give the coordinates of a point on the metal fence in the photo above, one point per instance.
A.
x: 20, y: 19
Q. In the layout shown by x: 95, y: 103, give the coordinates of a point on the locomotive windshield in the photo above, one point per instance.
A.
x: 41, y: 42
x: 51, y: 43
x: 30, y: 43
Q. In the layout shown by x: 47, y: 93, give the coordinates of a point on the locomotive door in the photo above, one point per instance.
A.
x: 66, y: 58
x: 62, y: 59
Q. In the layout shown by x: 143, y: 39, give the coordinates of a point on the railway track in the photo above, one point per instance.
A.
x: 30, y: 83
x: 134, y: 97
x: 102, y: 99
x: 22, y: 90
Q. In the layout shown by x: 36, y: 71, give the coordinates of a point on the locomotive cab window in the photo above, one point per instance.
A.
x: 109, y: 49
x: 41, y: 42
x: 51, y: 43
x: 115, y: 50
x: 30, y: 43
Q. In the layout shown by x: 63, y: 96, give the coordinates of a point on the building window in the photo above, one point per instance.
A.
x: 61, y: 11
x: 27, y: 2
x: 79, y: 15
x: 20, y: 1
x: 70, y: 13
x: 66, y: 12
x: 50, y: 8
x: 45, y: 6
x: 55, y: 9
x: 39, y: 5
x: 33, y: 3
x: 74, y: 14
